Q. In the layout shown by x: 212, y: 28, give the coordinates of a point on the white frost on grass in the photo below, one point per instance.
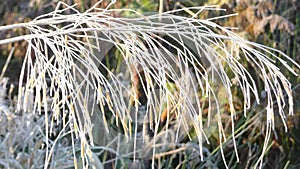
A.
x: 66, y: 45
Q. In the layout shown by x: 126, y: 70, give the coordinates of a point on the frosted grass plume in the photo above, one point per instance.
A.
x: 191, y: 53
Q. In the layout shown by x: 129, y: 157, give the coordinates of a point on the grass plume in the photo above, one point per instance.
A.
x: 63, y: 64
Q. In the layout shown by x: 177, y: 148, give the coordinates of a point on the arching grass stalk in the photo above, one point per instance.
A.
x: 63, y: 60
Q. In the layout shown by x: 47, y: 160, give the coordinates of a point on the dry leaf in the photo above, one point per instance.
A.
x: 275, y: 22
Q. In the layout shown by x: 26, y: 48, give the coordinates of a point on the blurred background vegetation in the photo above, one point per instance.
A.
x: 274, y: 23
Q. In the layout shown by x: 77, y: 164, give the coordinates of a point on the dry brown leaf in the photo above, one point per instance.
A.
x: 275, y: 22
x: 281, y: 23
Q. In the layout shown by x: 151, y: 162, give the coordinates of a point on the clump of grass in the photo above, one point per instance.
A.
x: 22, y: 133
x: 63, y: 62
